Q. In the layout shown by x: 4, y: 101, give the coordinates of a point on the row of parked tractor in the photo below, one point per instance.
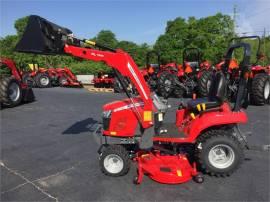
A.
x: 16, y: 85
x: 194, y: 76
x: 48, y: 77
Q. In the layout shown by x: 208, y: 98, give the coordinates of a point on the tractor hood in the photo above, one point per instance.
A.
x: 123, y: 104
x: 43, y: 37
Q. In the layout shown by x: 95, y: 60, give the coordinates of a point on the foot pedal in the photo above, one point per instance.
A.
x: 146, y: 141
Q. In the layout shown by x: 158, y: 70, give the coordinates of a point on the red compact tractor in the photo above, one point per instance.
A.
x: 259, y: 78
x: 204, y: 135
x: 12, y: 89
x: 66, y: 78
x: 104, y: 80
x: 40, y: 77
x: 48, y: 77
x: 184, y: 79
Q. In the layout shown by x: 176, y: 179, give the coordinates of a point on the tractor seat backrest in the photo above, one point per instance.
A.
x: 217, y: 89
x: 194, y: 64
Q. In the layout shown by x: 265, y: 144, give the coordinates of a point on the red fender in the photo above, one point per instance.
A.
x: 207, y: 120
x: 216, y: 118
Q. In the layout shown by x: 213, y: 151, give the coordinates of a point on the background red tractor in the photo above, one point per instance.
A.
x: 48, y: 77
x: 13, y: 90
x: 104, y: 80
x: 66, y: 78
x: 40, y: 77
x: 179, y: 80
x: 259, y: 77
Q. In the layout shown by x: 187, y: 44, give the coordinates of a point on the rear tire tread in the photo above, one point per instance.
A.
x: 217, y: 134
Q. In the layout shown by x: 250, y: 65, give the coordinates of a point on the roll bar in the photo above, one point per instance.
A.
x: 242, y: 92
x: 197, y: 51
x: 152, y: 53
x: 249, y: 37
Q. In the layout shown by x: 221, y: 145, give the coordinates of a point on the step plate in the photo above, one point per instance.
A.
x: 172, y: 131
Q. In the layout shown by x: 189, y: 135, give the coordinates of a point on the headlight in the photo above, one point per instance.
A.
x: 107, y: 114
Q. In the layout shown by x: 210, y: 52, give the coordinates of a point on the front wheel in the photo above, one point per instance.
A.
x: 114, y: 161
x: 219, y: 153
x: 62, y: 81
x: 43, y: 80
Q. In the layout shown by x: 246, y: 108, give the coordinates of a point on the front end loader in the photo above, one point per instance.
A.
x: 136, y: 128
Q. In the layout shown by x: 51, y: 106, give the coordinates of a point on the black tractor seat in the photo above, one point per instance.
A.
x: 202, y: 104
x: 216, y: 97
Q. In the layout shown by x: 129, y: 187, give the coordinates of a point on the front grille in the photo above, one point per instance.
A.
x: 106, y: 123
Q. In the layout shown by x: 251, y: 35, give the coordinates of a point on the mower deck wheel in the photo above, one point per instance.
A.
x: 114, y: 161
x: 136, y: 180
x: 219, y: 153
x: 198, y: 178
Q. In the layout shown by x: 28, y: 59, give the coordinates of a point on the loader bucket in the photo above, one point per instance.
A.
x: 43, y: 37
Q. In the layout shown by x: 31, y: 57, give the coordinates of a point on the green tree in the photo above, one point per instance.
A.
x: 107, y: 38
x: 211, y: 34
x: 138, y: 52
x: 20, y: 25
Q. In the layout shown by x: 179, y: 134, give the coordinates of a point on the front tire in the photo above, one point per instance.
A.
x: 43, y: 80
x: 219, y: 153
x: 62, y: 81
x: 114, y: 161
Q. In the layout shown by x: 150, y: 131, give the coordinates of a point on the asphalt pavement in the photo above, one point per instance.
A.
x: 48, y: 153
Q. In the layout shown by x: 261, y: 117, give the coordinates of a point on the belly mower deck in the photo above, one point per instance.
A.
x: 166, y: 169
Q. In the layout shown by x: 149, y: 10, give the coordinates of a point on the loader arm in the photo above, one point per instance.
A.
x: 44, y: 37
x: 122, y: 62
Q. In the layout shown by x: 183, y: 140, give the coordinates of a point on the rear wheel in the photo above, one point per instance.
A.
x: 10, y: 91
x: 166, y: 84
x: 260, y: 89
x: 219, y: 153
x: 114, y: 161
x: 43, y: 80
x: 204, y: 83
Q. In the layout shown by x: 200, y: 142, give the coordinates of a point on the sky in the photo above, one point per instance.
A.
x: 133, y: 20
